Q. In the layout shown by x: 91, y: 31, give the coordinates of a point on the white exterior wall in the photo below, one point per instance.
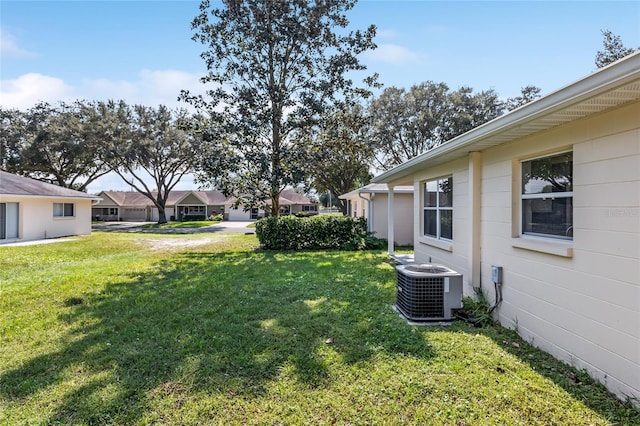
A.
x: 578, y: 300
x: 453, y: 254
x: 402, y: 217
x: 36, y: 219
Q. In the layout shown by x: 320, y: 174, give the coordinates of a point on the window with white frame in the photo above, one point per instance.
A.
x: 192, y: 210
x: 547, y: 196
x: 438, y: 208
x: 63, y: 210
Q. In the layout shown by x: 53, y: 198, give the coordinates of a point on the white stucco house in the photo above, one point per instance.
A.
x: 33, y: 210
x: 550, y: 192
x: 370, y: 201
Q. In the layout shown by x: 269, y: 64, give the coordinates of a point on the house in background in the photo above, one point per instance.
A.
x: 550, y: 193
x: 32, y: 210
x: 371, y: 202
x: 133, y: 206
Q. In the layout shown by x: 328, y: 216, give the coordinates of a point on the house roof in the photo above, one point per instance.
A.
x: 11, y: 184
x: 134, y: 198
x: 210, y: 197
x: 609, y: 87
x: 378, y: 188
x: 292, y: 197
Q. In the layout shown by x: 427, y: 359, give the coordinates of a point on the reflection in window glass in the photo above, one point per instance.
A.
x: 438, y: 208
x: 547, y: 196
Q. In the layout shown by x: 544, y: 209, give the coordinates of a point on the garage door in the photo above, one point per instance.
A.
x: 238, y: 214
x: 135, y: 214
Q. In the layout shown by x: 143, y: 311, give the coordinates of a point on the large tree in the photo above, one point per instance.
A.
x: 149, y: 144
x: 409, y: 123
x: 274, y: 67
x: 342, y: 151
x: 613, y: 49
x: 52, y: 143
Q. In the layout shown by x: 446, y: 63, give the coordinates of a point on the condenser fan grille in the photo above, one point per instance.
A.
x: 428, y: 292
x: 420, y: 298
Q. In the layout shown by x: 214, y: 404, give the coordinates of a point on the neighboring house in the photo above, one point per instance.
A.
x: 32, y: 210
x: 133, y: 206
x: 290, y: 203
x: 550, y: 192
x: 370, y: 202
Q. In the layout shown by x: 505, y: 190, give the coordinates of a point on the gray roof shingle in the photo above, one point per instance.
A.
x: 11, y: 184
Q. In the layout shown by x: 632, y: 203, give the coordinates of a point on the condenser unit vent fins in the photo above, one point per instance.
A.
x: 428, y: 292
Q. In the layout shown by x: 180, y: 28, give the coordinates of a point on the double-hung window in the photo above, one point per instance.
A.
x: 63, y: 210
x: 438, y: 208
x: 547, y: 196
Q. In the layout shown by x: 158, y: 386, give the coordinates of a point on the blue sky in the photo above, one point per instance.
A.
x: 142, y: 52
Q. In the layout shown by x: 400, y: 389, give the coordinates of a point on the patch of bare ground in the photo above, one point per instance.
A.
x: 177, y: 243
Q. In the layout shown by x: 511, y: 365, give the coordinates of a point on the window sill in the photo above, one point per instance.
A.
x: 543, y: 245
x: 441, y: 244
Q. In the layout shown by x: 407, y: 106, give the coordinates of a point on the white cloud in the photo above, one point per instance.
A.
x: 28, y: 89
x: 9, y: 46
x: 163, y: 87
x: 392, y: 54
x: 150, y: 87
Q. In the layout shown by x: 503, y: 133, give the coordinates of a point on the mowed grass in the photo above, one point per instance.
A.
x: 186, y: 224
x: 206, y: 329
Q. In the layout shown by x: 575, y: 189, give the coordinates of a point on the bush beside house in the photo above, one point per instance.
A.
x: 315, y: 233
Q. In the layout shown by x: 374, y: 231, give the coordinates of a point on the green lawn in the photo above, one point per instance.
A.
x: 185, y: 224
x: 205, y: 329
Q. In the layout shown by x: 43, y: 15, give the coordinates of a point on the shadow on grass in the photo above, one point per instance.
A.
x: 225, y: 323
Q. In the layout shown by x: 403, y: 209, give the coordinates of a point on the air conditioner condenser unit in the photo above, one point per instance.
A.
x: 428, y: 292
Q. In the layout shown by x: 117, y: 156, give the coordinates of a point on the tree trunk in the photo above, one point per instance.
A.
x: 343, y: 206
x: 275, y: 205
x: 162, y: 216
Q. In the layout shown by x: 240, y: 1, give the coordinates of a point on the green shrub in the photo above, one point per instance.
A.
x: 305, y: 214
x: 315, y: 233
x: 217, y: 217
x: 193, y: 217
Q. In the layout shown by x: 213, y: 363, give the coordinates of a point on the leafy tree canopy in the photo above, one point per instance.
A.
x: 274, y: 67
x: 613, y: 49
x: 528, y: 94
x: 53, y: 143
x: 148, y: 142
x: 408, y: 123
x: 343, y: 152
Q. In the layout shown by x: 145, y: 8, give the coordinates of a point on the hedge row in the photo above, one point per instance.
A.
x: 315, y: 233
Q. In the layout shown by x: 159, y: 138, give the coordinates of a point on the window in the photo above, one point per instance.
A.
x: 193, y: 210
x: 547, y: 196
x: 438, y: 209
x: 63, y: 210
